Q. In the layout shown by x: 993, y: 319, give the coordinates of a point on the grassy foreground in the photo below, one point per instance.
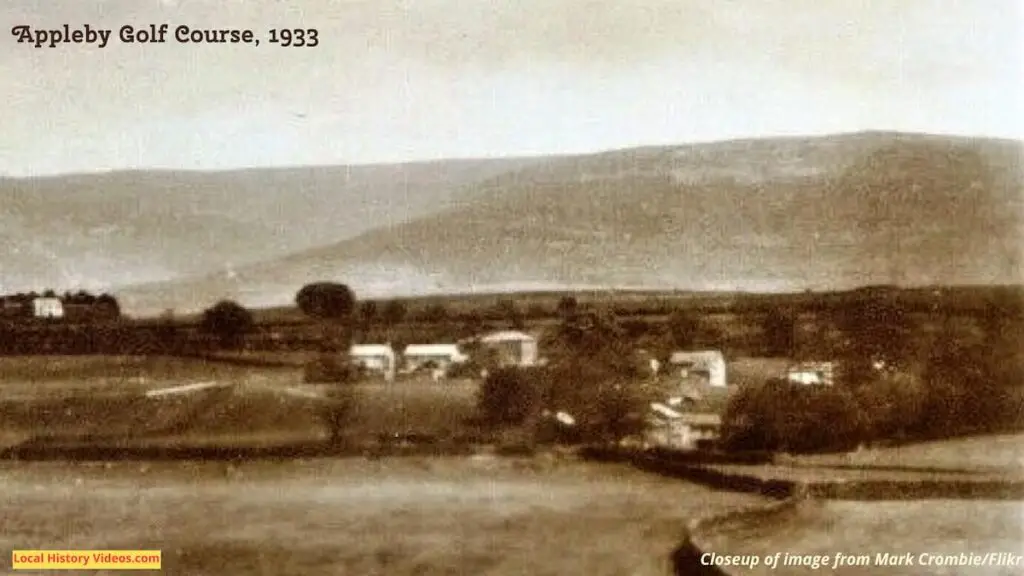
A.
x: 928, y: 527
x: 392, y: 517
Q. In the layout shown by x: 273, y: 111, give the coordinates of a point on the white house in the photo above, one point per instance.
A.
x: 377, y: 357
x: 513, y: 348
x: 443, y: 355
x: 811, y: 373
x: 671, y: 428
x: 47, y: 308
x: 705, y: 365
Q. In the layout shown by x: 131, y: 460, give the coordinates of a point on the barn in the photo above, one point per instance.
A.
x: 376, y: 357
x: 705, y: 366
x: 512, y: 348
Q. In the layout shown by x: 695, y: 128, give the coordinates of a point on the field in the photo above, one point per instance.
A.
x: 103, y: 398
x: 931, y: 527
x: 405, y: 516
x: 982, y: 452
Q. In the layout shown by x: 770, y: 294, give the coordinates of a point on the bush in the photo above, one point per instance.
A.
x: 328, y: 369
x: 335, y: 411
x: 780, y: 416
x: 509, y: 396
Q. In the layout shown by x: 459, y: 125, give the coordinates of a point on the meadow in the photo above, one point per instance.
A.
x: 481, y: 515
x: 929, y: 527
x: 971, y: 453
x: 103, y: 399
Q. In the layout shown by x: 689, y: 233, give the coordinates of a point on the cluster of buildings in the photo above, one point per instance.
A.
x: 507, y: 348
x: 689, y: 415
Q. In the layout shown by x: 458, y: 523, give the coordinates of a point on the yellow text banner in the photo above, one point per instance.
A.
x: 86, y: 559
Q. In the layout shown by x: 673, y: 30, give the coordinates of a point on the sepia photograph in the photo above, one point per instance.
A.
x: 512, y: 287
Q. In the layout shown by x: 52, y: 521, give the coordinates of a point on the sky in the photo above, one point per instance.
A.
x: 395, y: 81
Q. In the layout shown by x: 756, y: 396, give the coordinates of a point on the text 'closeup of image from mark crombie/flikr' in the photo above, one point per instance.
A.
x: 655, y: 287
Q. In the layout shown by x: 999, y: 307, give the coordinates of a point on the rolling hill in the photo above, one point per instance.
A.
x: 102, y: 230
x: 759, y: 215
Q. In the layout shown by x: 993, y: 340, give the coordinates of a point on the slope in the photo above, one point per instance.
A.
x: 98, y: 230
x: 825, y: 212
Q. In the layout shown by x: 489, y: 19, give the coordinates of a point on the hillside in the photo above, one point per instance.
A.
x: 99, y: 230
x: 757, y: 215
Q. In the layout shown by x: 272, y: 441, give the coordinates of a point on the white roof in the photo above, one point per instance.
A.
x: 371, y: 350
x: 432, y: 350
x: 702, y: 357
x: 665, y: 411
x: 507, y: 336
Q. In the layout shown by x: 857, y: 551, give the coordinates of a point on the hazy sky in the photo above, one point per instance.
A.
x: 419, y: 79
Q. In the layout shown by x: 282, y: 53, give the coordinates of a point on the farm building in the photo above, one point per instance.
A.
x: 441, y: 355
x: 706, y: 366
x: 811, y: 373
x: 47, y: 308
x: 671, y: 428
x: 376, y: 357
x: 512, y: 348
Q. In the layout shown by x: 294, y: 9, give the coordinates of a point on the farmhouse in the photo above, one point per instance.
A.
x: 440, y: 355
x: 44, y: 307
x: 512, y: 348
x: 706, y: 366
x: 671, y: 428
x: 811, y: 373
x: 376, y: 357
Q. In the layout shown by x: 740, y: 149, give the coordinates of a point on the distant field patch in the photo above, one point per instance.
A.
x: 977, y: 452
x: 215, y: 403
x: 932, y: 527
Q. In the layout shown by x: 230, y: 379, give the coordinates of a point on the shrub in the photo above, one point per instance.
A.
x: 328, y: 369
x: 780, y: 416
x: 509, y: 396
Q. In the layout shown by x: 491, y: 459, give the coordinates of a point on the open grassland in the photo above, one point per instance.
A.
x: 396, y: 517
x: 103, y: 399
x: 28, y: 377
x: 974, y: 453
x: 929, y: 527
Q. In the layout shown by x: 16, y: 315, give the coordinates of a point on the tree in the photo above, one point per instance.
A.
x: 507, y: 310
x: 394, y: 312
x: 878, y: 331
x: 107, y: 307
x: 567, y: 307
x: 779, y: 327
x: 592, y: 375
x: 509, y: 396
x: 326, y: 301
x: 367, y: 315
x: 435, y: 313
x: 228, y: 322
x: 684, y: 329
x: 333, y: 305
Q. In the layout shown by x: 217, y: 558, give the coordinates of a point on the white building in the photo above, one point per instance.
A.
x: 442, y: 355
x: 705, y: 365
x: 47, y: 308
x: 513, y: 348
x: 670, y: 428
x: 377, y: 357
x: 811, y: 373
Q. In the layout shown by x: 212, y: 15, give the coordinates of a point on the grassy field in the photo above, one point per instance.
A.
x: 979, y: 452
x: 104, y: 398
x: 931, y: 527
x: 392, y: 517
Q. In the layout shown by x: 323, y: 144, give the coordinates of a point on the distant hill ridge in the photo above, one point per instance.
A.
x: 751, y: 215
